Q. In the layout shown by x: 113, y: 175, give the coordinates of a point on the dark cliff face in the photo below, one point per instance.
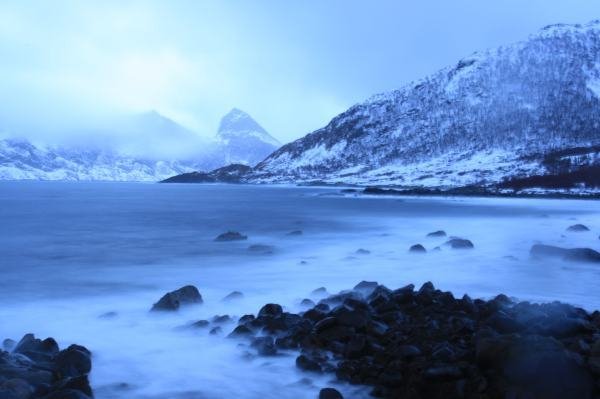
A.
x: 491, y: 116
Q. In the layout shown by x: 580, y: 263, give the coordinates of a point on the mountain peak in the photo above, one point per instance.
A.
x: 237, y: 124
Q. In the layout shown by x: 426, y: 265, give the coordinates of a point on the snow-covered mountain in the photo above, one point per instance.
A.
x: 510, y: 113
x: 144, y: 147
x: 242, y: 140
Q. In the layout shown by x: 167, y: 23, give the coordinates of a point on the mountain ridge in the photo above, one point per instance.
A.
x: 479, y: 121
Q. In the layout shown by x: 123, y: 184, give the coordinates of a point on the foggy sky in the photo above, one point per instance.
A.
x: 293, y: 65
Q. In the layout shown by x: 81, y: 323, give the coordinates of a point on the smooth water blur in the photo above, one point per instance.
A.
x: 73, y: 251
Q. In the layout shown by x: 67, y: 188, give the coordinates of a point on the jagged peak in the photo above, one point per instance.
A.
x: 237, y: 123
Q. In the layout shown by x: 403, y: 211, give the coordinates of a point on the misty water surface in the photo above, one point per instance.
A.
x: 73, y: 251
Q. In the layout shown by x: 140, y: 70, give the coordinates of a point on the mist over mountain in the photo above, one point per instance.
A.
x: 141, y: 147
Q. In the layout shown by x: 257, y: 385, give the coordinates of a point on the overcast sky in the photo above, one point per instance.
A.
x: 293, y: 65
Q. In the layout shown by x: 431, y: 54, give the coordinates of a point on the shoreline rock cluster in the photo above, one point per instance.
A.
x: 35, y: 368
x: 426, y: 343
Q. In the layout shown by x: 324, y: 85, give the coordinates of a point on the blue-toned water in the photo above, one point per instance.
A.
x: 70, y: 252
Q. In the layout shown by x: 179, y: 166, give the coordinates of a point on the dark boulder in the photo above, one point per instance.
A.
x: 417, y: 248
x: 265, y: 346
x: 568, y: 254
x: 306, y: 363
x: 459, y: 243
x: 270, y: 310
x: 578, y: 228
x: 366, y: 287
x: 173, y: 300
x: 231, y: 236
x: 74, y: 361
x: 538, y: 367
x: 330, y: 393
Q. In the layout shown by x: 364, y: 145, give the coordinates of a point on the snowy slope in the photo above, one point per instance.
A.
x: 493, y: 116
x: 242, y: 140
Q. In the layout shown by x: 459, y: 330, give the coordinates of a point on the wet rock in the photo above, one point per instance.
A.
x: 270, y: 310
x: 459, y: 243
x: 307, y: 302
x: 265, y: 346
x: 438, y: 233
x: 304, y: 362
x: 216, y: 331
x: 319, y: 291
x: 233, y: 296
x: 362, y: 251
x: 295, y: 233
x: 15, y: 388
x: 74, y: 361
x: 428, y: 344
x: 37, y: 349
x: 366, y: 287
x: 221, y: 319
x: 330, y: 393
x: 567, y: 254
x: 539, y: 367
x: 578, y: 228
x: 417, y: 248
x: 37, y: 368
x: 199, y: 324
x: 241, y: 331
x: 173, y: 300
x: 261, y: 249
x: 231, y: 236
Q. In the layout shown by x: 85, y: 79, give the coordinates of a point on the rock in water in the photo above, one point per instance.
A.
x: 295, y: 233
x: 578, y: 228
x: 235, y: 295
x: 417, y: 248
x: 569, y: 254
x: 173, y: 300
x: 330, y: 393
x: 261, y: 249
x: 439, y: 233
x: 459, y: 243
x: 231, y: 236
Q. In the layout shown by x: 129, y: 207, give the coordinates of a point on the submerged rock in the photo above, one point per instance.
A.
x: 439, y: 233
x: 568, y: 254
x: 295, y: 233
x: 578, y: 228
x: 173, y: 300
x: 459, y: 243
x: 362, y: 251
x: 417, y: 248
x: 261, y: 249
x: 233, y: 296
x: 231, y: 236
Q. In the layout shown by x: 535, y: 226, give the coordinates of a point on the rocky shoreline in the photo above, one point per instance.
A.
x: 425, y: 343
x: 406, y: 342
x: 35, y: 368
